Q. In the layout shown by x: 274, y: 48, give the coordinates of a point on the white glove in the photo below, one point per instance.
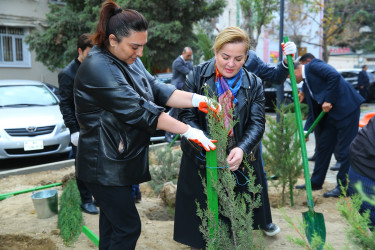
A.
x: 289, y: 48
x: 198, y: 137
x: 200, y: 101
x: 74, y: 138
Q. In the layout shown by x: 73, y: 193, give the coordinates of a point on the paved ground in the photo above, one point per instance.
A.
x: 310, y: 145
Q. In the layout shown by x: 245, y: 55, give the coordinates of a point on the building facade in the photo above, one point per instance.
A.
x: 17, y: 19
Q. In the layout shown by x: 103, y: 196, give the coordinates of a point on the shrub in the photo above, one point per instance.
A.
x: 282, y: 156
x: 70, y: 216
x: 233, y: 229
x: 166, y: 169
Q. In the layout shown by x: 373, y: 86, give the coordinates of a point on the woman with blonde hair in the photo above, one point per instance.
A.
x: 239, y: 90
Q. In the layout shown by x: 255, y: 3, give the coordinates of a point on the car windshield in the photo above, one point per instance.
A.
x: 26, y: 95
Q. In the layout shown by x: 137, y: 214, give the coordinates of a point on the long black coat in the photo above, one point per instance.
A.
x: 248, y: 132
x: 117, y: 107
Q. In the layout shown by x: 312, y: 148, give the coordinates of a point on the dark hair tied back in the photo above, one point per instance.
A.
x: 116, y: 11
x: 119, y: 22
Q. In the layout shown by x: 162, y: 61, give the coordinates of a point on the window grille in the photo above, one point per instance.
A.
x: 13, y: 51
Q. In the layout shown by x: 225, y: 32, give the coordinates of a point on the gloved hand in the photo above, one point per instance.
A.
x: 289, y: 48
x: 198, y: 137
x: 74, y: 138
x: 200, y: 101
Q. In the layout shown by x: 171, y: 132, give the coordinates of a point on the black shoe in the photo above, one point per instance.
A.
x: 311, y: 158
x: 336, y: 192
x: 89, y: 208
x: 271, y: 229
x: 313, y: 187
x: 336, y: 167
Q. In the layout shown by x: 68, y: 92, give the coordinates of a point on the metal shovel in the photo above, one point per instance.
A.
x: 314, y: 221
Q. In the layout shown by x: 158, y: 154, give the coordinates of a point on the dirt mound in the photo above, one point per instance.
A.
x: 21, y: 229
x: 24, y: 242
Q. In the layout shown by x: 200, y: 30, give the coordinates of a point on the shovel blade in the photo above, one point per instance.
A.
x: 314, y: 224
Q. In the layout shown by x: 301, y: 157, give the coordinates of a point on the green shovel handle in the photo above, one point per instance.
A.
x: 317, y: 120
x: 301, y: 135
x: 212, y: 197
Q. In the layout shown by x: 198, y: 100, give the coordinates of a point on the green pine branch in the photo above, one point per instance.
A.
x: 70, y: 216
x: 234, y: 228
x: 282, y: 154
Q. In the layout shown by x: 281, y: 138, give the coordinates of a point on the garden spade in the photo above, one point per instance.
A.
x: 315, y: 123
x: 313, y: 221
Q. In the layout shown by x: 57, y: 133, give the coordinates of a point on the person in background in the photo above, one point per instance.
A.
x: 363, y: 82
x: 362, y: 166
x: 275, y: 75
x: 305, y: 59
x: 66, y: 81
x: 342, y: 103
x: 119, y: 105
x: 229, y: 80
x: 181, y: 66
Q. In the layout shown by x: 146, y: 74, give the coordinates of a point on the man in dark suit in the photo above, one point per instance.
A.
x: 180, y: 68
x: 342, y: 103
x: 305, y: 59
x: 363, y: 81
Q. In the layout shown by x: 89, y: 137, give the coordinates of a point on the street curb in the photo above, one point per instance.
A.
x: 38, y: 168
x: 60, y: 164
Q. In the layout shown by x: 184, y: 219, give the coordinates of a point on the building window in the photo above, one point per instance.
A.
x: 13, y: 50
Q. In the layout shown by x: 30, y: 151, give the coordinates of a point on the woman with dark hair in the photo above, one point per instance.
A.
x: 118, y: 107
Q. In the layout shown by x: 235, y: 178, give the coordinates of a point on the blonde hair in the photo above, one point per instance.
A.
x: 231, y: 35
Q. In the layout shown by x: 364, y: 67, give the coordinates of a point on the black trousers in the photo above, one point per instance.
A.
x: 86, y: 196
x: 335, y: 134
x: 119, y: 222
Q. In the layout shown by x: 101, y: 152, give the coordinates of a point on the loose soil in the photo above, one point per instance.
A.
x: 21, y: 229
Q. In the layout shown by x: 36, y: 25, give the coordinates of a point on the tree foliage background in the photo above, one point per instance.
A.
x: 346, y: 23
x: 170, y: 28
x: 257, y: 14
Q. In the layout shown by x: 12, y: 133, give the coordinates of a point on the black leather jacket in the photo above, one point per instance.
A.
x: 117, y: 107
x: 66, y: 82
x: 249, y: 111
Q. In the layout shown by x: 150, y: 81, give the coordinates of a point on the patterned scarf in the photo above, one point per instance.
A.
x: 227, y: 89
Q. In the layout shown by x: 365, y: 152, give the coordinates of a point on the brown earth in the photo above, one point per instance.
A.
x: 21, y: 229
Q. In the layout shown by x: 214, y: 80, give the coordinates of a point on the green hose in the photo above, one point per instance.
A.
x: 93, y: 237
x: 7, y: 195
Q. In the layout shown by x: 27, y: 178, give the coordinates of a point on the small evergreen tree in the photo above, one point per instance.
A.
x: 70, y: 216
x: 359, y: 232
x: 282, y: 155
x: 234, y: 228
x: 166, y: 168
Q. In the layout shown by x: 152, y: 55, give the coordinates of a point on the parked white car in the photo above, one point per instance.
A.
x: 31, y: 123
